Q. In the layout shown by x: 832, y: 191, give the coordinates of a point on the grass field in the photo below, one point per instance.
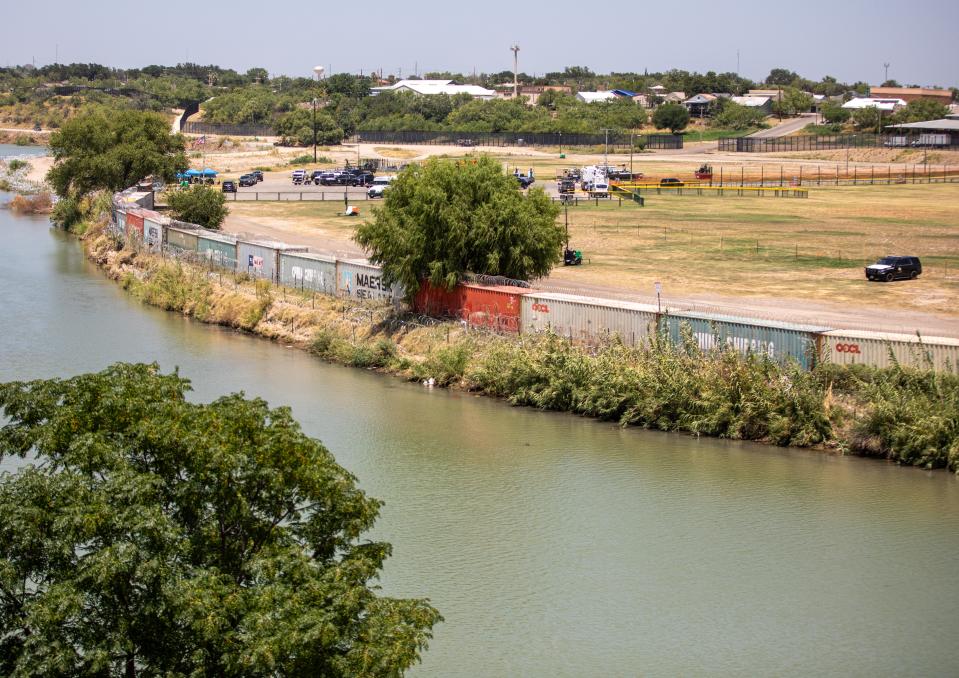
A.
x: 811, y: 249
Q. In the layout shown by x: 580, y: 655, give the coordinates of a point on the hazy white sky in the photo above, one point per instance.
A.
x: 849, y: 39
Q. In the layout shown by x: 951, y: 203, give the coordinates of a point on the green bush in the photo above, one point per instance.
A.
x: 198, y: 204
x: 17, y: 164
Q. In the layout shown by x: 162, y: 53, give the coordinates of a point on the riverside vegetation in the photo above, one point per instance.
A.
x: 905, y: 415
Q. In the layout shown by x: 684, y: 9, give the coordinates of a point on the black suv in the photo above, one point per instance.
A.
x: 248, y: 180
x: 258, y: 175
x: 229, y: 187
x: 888, y: 269
x: 670, y: 181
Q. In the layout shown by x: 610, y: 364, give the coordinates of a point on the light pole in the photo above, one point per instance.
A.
x: 314, y: 129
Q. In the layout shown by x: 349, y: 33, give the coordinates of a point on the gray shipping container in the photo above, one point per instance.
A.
x: 121, y: 221
x: 181, y: 238
x: 587, y: 319
x: 306, y: 271
x: 777, y: 340
x: 261, y: 258
x: 851, y: 347
x: 153, y: 231
x: 217, y: 248
x: 360, y: 279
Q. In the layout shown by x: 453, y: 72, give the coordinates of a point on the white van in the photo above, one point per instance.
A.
x: 379, y: 186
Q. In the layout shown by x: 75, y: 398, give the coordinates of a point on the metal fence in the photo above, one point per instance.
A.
x: 830, y: 142
x: 228, y: 130
x: 615, y: 140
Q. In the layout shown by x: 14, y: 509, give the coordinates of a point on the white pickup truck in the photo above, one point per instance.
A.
x: 379, y: 186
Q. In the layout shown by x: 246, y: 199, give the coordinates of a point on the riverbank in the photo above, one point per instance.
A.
x: 896, y: 413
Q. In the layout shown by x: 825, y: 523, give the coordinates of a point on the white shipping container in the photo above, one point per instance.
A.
x: 306, y: 271
x: 360, y: 279
x: 261, y: 258
x: 587, y: 318
x: 852, y: 347
x: 153, y: 231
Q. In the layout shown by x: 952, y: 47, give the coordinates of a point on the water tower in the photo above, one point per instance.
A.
x: 320, y: 71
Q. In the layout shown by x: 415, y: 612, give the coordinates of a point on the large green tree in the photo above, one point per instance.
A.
x: 151, y: 536
x: 198, y: 204
x: 445, y: 218
x: 99, y: 150
x: 673, y: 117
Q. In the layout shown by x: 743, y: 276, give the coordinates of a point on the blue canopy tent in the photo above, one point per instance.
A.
x: 192, y: 174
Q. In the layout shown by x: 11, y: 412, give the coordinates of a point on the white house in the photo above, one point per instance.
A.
x: 765, y: 104
x: 435, y: 87
x: 882, y: 104
x: 593, y: 97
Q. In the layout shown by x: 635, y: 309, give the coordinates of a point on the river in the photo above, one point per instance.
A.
x: 555, y: 545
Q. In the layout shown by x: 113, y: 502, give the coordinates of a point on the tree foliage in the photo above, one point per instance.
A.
x: 296, y: 128
x: 157, y: 537
x: 833, y: 112
x: 792, y: 101
x: 673, y: 117
x: 445, y: 218
x: 112, y: 151
x: 919, y: 110
x: 734, y: 116
x: 199, y: 204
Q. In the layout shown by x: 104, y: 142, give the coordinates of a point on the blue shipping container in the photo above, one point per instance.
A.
x: 777, y: 340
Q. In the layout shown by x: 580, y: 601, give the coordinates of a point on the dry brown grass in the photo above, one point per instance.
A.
x: 810, y: 249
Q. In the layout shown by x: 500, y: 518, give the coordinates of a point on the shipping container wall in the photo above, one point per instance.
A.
x: 134, y: 228
x: 121, y: 221
x: 362, y: 280
x: 256, y: 260
x: 219, y: 250
x: 496, y: 307
x: 850, y: 347
x: 308, y: 272
x: 152, y: 232
x: 588, y: 319
x: 778, y: 341
x: 438, y: 302
x: 181, y: 238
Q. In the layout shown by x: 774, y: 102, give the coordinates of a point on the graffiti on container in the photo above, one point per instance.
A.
x: 847, y: 348
x: 366, y: 286
x: 707, y: 341
x: 541, y: 308
x: 255, y: 262
x: 307, y: 275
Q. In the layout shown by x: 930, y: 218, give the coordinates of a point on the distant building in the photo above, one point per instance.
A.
x: 675, y: 98
x: 907, y: 94
x: 531, y: 92
x: 885, y: 105
x: 699, y: 105
x: 763, y: 103
x: 426, y: 87
x: 593, y: 97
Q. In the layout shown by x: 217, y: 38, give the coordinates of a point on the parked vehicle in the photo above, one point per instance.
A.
x: 599, y: 189
x: 524, y: 180
x: 572, y: 257
x: 379, y: 186
x: 229, y: 187
x: 258, y: 175
x: 566, y: 186
x: 705, y: 172
x: 937, y: 140
x: 896, y: 142
x: 888, y: 269
x: 247, y: 180
x: 670, y: 181
x: 299, y: 176
x: 360, y: 177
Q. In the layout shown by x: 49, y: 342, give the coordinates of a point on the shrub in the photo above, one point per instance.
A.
x: 198, y: 204
x: 671, y: 116
x: 17, y: 164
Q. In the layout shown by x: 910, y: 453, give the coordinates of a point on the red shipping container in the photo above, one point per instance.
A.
x: 134, y: 224
x: 493, y: 306
x: 438, y: 302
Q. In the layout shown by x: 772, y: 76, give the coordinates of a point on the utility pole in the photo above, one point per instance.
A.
x: 515, y: 49
x: 737, y: 62
x: 606, y: 153
x: 886, y: 66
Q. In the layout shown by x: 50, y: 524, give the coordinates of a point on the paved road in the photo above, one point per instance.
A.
x: 786, y: 128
